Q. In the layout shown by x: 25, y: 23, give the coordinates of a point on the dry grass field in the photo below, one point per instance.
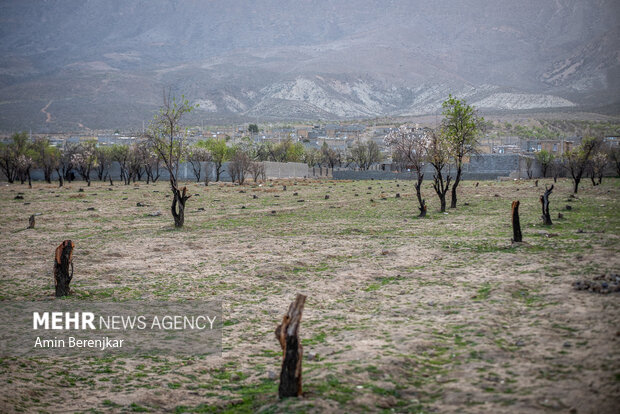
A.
x: 441, y: 314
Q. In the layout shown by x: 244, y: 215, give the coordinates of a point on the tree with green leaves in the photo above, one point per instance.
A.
x: 220, y: 153
x: 545, y: 159
x: 365, y: 154
x: 253, y: 129
x: 9, y: 154
x: 460, y: 128
x: 577, y: 160
x: 168, y: 139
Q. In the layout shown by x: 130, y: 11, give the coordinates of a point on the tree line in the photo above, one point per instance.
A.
x: 445, y: 148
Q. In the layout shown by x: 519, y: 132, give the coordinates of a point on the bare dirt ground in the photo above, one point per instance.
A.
x: 441, y: 314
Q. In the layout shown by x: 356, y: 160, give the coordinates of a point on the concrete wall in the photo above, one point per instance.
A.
x: 480, y: 167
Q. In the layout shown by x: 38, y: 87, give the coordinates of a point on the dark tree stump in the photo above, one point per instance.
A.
x: 516, y: 225
x: 178, y: 205
x: 286, y: 334
x: 31, y: 222
x: 422, y: 209
x: 63, y: 261
x: 544, y: 201
x: 536, y: 183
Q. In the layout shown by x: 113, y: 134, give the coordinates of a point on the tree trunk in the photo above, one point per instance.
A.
x: 178, y: 205
x: 576, y: 184
x: 31, y: 222
x: 456, y: 183
x: 516, y: 225
x: 544, y: 201
x: 64, y: 260
x: 287, y: 335
x: 418, y: 191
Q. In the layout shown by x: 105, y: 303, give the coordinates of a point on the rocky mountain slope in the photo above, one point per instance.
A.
x: 92, y: 64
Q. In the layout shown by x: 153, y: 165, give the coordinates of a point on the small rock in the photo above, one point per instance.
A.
x: 372, y: 201
x: 295, y: 194
x: 357, y: 195
x: 496, y: 195
x: 272, y: 375
x: 520, y: 343
x: 201, y: 209
x: 465, y: 204
x: 254, y: 196
x: 370, y: 188
x: 26, y: 204
x: 18, y: 197
x: 273, y: 212
x: 301, y: 201
x: 139, y: 204
x: 567, y: 345
x: 311, y: 356
x: 90, y: 209
x: 81, y: 190
x: 397, y: 195
x: 155, y: 214
x: 242, y: 207
x: 560, y: 216
x: 242, y: 191
x: 568, y: 207
x: 326, y: 197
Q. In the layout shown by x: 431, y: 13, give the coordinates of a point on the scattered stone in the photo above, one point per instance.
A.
x: 326, y: 197
x: 357, y: 195
x: 295, y: 194
x: 272, y: 375
x: 560, y: 216
x: 567, y: 345
x: 431, y: 303
x: 201, y: 209
x: 311, y: 356
x: 90, y: 209
x: 397, y: 195
x: 254, y: 196
x: 139, y: 204
x: 242, y: 207
x: 301, y: 201
x: 602, y: 284
x: 568, y: 207
x: 283, y: 188
x: 465, y: 204
x: 372, y: 201
x: 520, y: 343
x: 196, y: 195
x: 242, y: 191
x: 18, y: 197
x: 370, y: 188
x: 26, y: 204
x: 81, y: 190
x: 155, y: 214
x: 273, y: 212
x: 124, y: 198
x: 397, y: 185
x: 276, y: 195
x: 496, y: 195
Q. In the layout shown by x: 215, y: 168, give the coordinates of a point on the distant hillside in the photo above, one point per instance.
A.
x: 103, y: 64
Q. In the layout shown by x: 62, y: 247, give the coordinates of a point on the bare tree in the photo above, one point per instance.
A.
x: 168, y: 140
x: 439, y: 158
x: 196, y: 156
x: 238, y: 166
x: 151, y: 164
x: 598, y: 164
x: 84, y: 159
x: 529, y: 163
x: 257, y: 169
x: 409, y: 144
